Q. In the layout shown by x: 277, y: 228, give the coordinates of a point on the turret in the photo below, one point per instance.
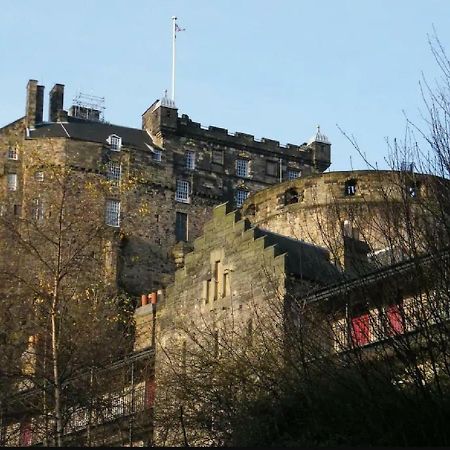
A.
x: 321, y: 150
x: 160, y: 118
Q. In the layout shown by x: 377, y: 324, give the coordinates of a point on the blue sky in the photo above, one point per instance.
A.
x: 274, y: 69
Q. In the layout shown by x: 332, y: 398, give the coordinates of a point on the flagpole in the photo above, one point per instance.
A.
x: 174, y: 31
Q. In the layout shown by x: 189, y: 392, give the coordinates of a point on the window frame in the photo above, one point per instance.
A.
x: 276, y: 164
x: 190, y: 159
x: 112, y: 212
x: 11, y: 186
x: 115, y: 142
x: 114, y: 175
x: 13, y: 153
x: 39, y: 176
x: 238, y: 201
x: 242, y: 168
x: 183, y: 191
x: 290, y: 173
x: 181, y: 237
x: 215, y: 160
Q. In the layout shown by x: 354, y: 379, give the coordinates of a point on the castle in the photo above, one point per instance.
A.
x: 212, y: 224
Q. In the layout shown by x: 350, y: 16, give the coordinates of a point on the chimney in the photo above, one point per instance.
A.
x: 56, y: 103
x: 35, y: 104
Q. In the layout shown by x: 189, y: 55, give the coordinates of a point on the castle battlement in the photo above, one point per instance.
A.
x: 236, y: 139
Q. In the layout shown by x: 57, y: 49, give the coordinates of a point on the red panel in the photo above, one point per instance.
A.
x: 150, y: 393
x: 360, y: 330
x: 396, y: 325
x: 25, y: 434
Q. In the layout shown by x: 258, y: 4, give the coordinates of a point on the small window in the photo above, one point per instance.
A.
x: 190, y: 160
x: 241, y: 195
x: 13, y: 153
x: 112, y: 216
x: 114, y: 172
x: 157, y: 155
x: 115, y: 142
x: 291, y: 196
x: 37, y: 209
x: 347, y: 228
x: 350, y: 187
x: 242, y: 168
x: 17, y: 210
x: 181, y: 227
x: 12, y: 181
x: 413, y: 189
x: 39, y: 176
x: 272, y: 168
x: 217, y: 156
x: 293, y: 174
x: 183, y: 191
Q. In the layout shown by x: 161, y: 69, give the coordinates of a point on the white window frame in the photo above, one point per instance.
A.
x: 242, y: 168
x: 112, y: 212
x: 13, y: 153
x: 37, y: 210
x: 190, y: 159
x: 115, y: 142
x: 39, y: 176
x: 241, y: 196
x: 114, y: 172
x: 293, y: 174
x: 182, y: 193
x: 12, y: 181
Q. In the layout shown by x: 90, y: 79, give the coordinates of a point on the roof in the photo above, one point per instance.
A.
x: 92, y: 131
x: 303, y: 259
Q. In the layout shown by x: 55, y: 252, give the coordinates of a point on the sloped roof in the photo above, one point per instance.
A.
x: 303, y: 259
x: 91, y: 131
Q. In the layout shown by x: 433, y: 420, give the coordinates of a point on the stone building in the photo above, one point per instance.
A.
x: 179, y: 170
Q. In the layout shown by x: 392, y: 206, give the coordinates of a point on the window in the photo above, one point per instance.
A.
x: 112, y: 217
x: 115, y: 142
x: 181, y: 227
x: 12, y: 181
x: 293, y: 174
x: 37, y: 209
x: 413, y: 190
x: 25, y: 433
x: 350, y: 187
x: 360, y: 330
x: 39, y: 176
x: 242, y: 168
x: 272, y: 168
x: 17, y: 210
x: 182, y: 192
x: 114, y: 172
x: 217, y: 156
x: 241, y: 195
x: 157, y: 155
x: 190, y: 160
x: 395, y: 319
x: 226, y: 284
x: 291, y: 196
x: 13, y: 153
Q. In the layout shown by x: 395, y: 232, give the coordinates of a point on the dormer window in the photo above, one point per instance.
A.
x: 115, y: 142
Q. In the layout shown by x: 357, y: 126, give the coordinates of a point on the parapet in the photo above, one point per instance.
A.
x: 188, y: 127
